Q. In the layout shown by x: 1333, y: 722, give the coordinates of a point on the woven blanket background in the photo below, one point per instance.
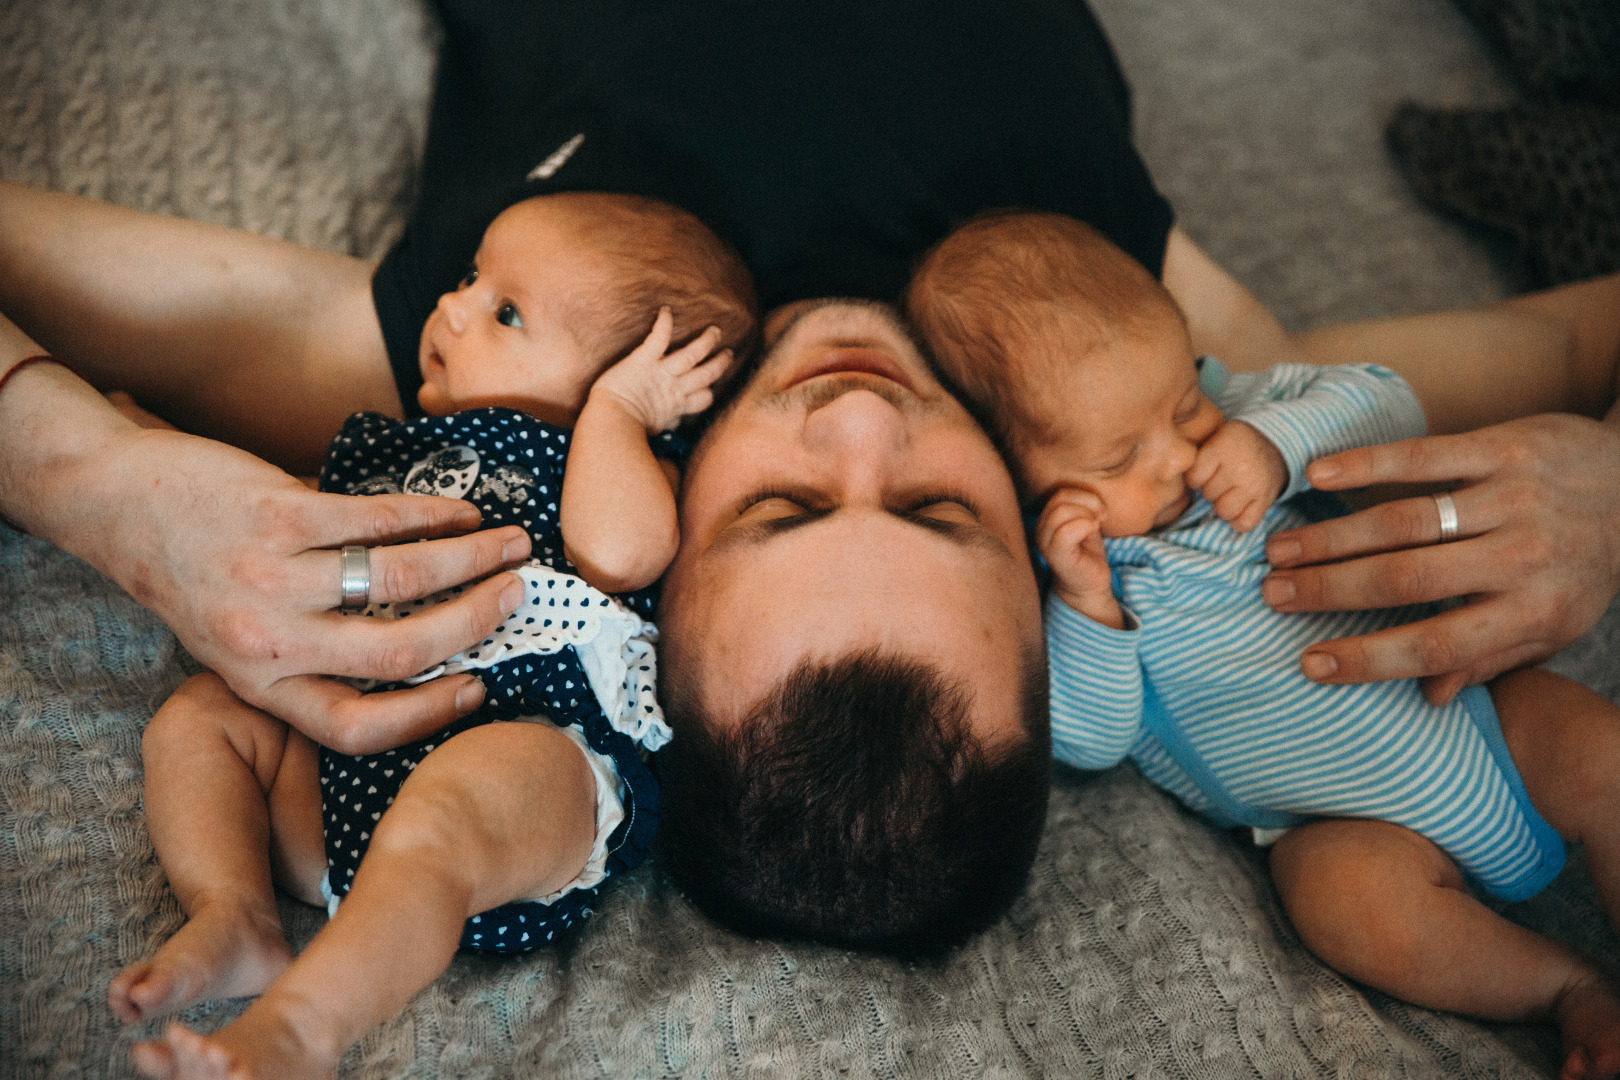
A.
x: 1147, y: 944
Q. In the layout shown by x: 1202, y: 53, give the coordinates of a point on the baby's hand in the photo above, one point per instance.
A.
x: 1240, y: 473
x: 659, y: 389
x: 1069, y: 535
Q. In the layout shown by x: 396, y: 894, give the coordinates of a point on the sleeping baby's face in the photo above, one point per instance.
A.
x: 503, y: 336
x: 1134, y: 418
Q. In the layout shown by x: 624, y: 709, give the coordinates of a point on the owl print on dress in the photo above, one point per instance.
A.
x: 448, y: 473
x: 385, y: 484
x: 571, y: 654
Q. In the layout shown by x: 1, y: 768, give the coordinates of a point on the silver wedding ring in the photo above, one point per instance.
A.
x: 355, y: 578
x: 1448, y: 517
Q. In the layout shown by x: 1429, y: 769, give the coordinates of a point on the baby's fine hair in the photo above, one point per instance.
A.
x: 654, y: 254
x: 853, y: 805
x: 1011, y: 298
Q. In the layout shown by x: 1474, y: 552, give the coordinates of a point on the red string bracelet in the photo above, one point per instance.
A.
x: 19, y: 365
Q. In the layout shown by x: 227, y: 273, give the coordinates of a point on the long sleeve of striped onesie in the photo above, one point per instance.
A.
x: 1306, y: 412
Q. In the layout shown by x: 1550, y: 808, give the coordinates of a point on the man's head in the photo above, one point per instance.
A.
x: 1074, y: 356
x: 561, y: 287
x: 852, y: 619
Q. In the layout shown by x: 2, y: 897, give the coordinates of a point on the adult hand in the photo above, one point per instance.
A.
x: 1537, y: 560
x: 242, y: 561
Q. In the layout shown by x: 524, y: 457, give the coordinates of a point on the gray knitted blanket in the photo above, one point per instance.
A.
x: 1147, y: 943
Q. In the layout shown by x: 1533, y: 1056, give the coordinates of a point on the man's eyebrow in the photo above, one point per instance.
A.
x: 960, y: 533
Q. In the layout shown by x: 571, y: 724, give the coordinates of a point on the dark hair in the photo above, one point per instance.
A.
x: 854, y: 806
x: 1012, y: 296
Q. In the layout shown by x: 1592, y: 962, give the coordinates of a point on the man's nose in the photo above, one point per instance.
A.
x: 860, y: 434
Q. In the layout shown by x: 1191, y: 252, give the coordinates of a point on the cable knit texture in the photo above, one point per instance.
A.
x: 1147, y: 944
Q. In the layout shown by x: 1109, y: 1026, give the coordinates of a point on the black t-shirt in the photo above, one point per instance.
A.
x: 832, y: 142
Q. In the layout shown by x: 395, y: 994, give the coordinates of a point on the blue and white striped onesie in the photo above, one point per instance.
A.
x: 1205, y: 691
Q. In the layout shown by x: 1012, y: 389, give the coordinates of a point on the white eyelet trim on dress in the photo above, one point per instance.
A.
x: 614, y: 645
x: 609, y: 813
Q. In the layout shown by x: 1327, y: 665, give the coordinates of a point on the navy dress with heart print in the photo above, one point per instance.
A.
x: 510, y: 466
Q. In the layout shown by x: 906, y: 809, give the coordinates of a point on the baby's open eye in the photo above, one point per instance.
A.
x: 508, y: 315
x: 472, y: 276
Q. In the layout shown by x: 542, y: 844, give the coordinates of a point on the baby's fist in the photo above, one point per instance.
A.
x: 658, y: 388
x: 1240, y: 473
x: 1069, y: 535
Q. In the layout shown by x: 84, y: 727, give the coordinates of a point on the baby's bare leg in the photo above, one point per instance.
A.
x: 496, y: 814
x: 1566, y: 742
x: 1386, y: 907
x: 227, y: 791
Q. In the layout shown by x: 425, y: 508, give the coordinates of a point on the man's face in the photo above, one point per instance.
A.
x: 845, y: 500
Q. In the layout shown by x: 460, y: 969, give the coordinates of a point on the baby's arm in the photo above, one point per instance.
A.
x: 618, y: 500
x: 1069, y: 535
x: 1092, y: 648
x: 1303, y: 412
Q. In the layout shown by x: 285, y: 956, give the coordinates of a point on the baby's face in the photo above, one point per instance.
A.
x: 502, y: 337
x: 1135, y: 419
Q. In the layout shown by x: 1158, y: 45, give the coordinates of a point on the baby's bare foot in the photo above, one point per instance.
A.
x: 226, y: 949
x: 259, y: 1045
x: 1588, y: 1014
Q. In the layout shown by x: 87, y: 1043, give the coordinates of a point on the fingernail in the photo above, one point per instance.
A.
x: 512, y: 594
x: 1323, y: 470
x: 1276, y: 590
x: 515, y: 549
x: 1319, y: 666
x: 1282, y: 552
x: 469, y: 697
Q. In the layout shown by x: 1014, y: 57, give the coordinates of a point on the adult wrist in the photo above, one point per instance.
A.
x: 57, y: 440
x: 5, y: 376
x: 17, y: 365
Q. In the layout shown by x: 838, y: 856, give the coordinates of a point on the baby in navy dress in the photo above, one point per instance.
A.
x: 484, y: 836
x: 1158, y: 479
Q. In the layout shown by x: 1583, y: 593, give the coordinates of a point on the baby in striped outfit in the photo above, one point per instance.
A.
x: 1158, y: 477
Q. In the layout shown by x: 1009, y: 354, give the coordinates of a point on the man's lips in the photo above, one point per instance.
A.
x: 854, y: 359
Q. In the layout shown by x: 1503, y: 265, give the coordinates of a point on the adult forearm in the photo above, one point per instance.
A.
x: 241, y: 560
x: 52, y: 424
x: 259, y: 343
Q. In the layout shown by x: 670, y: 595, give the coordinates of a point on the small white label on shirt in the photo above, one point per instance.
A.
x: 559, y: 157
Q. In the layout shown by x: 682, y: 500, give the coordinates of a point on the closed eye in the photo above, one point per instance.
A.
x: 942, y: 504
x: 1191, y: 406
x: 778, y: 502
x: 1120, y: 465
